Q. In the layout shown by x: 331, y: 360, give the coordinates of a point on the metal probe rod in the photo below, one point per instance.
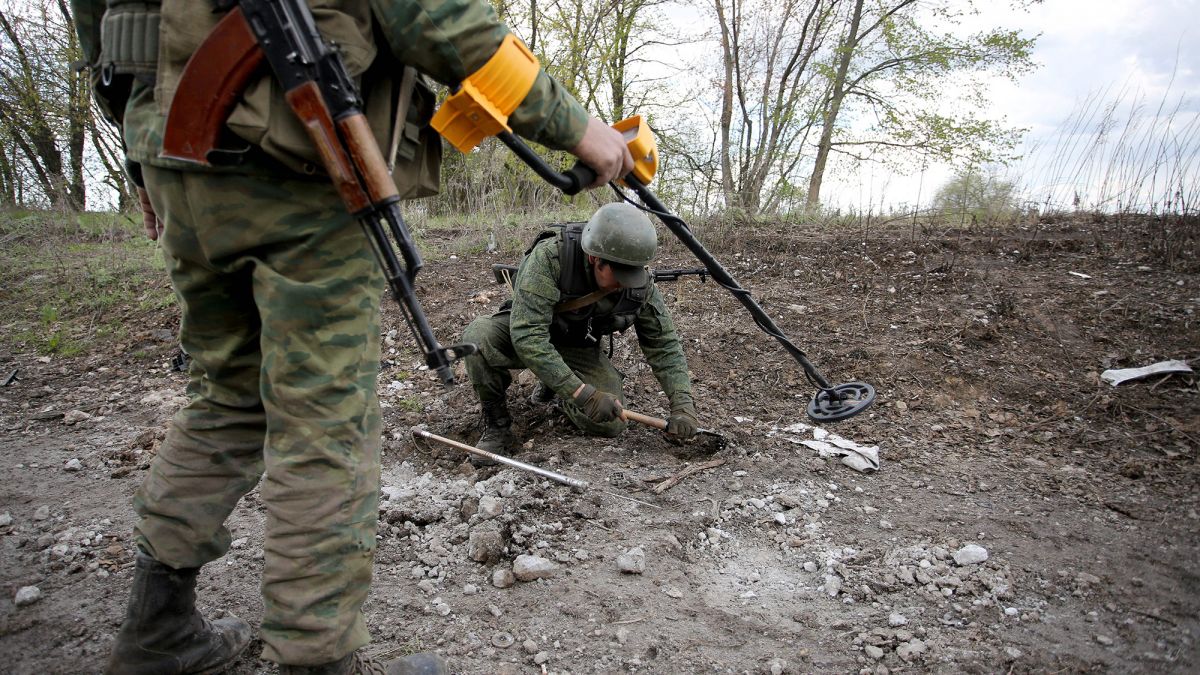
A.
x: 574, y: 483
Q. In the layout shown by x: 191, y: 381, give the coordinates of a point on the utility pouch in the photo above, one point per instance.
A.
x: 128, y: 50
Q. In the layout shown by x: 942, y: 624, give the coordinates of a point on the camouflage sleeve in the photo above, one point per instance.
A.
x: 86, y: 15
x: 662, y: 349
x: 450, y: 39
x: 534, y: 296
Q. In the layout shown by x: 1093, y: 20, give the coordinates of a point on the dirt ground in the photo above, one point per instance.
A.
x: 993, y: 427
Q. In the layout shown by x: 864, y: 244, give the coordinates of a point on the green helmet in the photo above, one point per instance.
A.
x: 619, y: 232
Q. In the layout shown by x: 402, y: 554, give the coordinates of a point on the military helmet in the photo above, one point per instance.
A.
x: 619, y: 232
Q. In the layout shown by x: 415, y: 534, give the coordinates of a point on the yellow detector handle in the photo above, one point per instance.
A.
x: 640, y: 142
x: 481, y: 106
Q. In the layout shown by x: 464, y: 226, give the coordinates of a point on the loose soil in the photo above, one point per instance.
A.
x: 993, y: 425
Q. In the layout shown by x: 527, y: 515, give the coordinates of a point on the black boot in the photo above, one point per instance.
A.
x: 497, y: 434
x: 357, y: 663
x: 163, y: 632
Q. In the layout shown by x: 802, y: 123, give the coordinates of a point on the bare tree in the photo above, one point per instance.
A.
x: 768, y: 85
x: 896, y: 72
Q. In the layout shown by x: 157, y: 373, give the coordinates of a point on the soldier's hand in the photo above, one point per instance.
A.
x: 150, y: 220
x: 599, y: 406
x: 603, y: 149
x: 683, y: 422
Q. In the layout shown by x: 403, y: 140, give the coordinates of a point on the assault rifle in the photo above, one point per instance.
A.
x: 505, y: 273
x: 318, y: 88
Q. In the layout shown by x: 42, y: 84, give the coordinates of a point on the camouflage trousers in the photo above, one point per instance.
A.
x: 489, y: 370
x: 279, y: 293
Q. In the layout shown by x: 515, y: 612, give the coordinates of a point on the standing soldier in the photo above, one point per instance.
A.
x: 279, y: 293
x: 575, y: 285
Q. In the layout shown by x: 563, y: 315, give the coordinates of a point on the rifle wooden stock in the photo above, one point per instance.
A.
x: 210, y: 86
x: 309, y: 106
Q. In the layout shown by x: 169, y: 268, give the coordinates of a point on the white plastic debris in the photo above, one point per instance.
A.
x: 861, y: 458
x: 1115, y: 377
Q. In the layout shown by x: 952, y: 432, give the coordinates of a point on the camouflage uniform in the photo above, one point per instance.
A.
x: 521, y: 337
x: 280, y: 294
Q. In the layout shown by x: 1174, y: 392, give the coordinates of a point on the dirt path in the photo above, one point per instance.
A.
x: 994, y: 432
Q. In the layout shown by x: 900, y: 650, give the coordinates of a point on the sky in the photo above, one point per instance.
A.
x: 1087, y: 50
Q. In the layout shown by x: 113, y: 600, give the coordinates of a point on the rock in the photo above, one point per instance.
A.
x: 810, y: 566
x: 73, y: 465
x: 530, y: 567
x: 541, y: 657
x: 905, y: 575
x: 1085, y: 579
x: 490, y: 507
x: 427, y: 586
x: 632, y: 561
x: 485, y: 543
x: 780, y: 519
x: 911, y: 650
x: 833, y: 585
x: 897, y: 619
x: 970, y: 554
x: 470, y: 589
x: 503, y: 578
x: 5, y: 519
x: 495, y: 611
x: 41, y: 513
x: 757, y: 503
x: 777, y: 666
x: 672, y: 592
x: 1104, y: 640
x: 440, y: 607
x: 873, y: 652
x: 1013, y: 653
x: 529, y: 646
x: 622, y: 635
x: 27, y: 595
x: 75, y: 417
x: 240, y: 542
x: 1011, y: 611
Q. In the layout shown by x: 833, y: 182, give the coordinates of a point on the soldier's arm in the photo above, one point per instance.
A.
x: 663, y: 351
x: 450, y: 39
x: 534, y: 296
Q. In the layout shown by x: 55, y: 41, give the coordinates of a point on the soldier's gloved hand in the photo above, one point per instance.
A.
x: 599, y: 406
x: 683, y: 422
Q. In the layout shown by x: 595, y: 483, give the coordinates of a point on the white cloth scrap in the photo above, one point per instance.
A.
x: 861, y: 458
x: 1115, y: 377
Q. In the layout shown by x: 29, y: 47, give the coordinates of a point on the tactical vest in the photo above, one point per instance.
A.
x: 156, y: 39
x: 584, y: 326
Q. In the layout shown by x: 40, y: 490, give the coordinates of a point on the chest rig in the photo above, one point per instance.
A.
x: 584, y: 326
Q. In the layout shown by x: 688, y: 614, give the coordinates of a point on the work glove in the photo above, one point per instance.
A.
x: 599, y: 406
x: 150, y: 220
x: 683, y: 422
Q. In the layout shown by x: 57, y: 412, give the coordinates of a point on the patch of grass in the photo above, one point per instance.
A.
x: 69, y: 281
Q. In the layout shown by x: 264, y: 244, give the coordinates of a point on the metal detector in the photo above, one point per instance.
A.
x: 831, y: 402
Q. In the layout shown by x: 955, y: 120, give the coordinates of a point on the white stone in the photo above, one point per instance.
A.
x: 530, y: 567
x: 490, y: 507
x: 41, y: 513
x: 73, y: 465
x: 833, y: 585
x: 1011, y: 611
x: 6, y: 519
x: 503, y: 578
x: 27, y: 595
x: 541, y: 657
x: 897, y: 619
x: 75, y: 417
x: 810, y: 566
x: 632, y: 561
x: 970, y: 554
x: 873, y: 652
x: 911, y: 649
x: 240, y: 542
x: 780, y: 519
x: 470, y: 589
x: 778, y: 666
x: 1104, y: 640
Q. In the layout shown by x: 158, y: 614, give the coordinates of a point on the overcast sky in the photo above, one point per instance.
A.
x: 1086, y: 49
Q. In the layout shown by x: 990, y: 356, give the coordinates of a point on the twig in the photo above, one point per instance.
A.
x: 628, y: 621
x: 684, y: 473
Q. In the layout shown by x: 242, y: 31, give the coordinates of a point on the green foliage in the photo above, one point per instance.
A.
x: 977, y: 195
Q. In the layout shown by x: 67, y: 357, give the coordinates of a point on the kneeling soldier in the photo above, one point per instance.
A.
x: 576, y: 284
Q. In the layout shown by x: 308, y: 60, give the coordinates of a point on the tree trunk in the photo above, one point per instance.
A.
x: 727, y: 60
x: 837, y: 92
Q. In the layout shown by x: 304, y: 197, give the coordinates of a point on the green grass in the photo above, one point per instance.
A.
x: 70, y: 283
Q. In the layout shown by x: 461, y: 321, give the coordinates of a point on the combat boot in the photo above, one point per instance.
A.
x: 163, y: 632
x: 356, y: 663
x: 497, y: 434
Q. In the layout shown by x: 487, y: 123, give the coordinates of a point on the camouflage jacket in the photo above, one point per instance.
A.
x: 443, y: 39
x: 535, y: 293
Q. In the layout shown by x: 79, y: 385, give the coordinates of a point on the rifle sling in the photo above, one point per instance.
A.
x: 578, y: 303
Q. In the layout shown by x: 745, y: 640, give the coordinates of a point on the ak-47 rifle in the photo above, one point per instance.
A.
x: 321, y: 92
x: 505, y: 273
